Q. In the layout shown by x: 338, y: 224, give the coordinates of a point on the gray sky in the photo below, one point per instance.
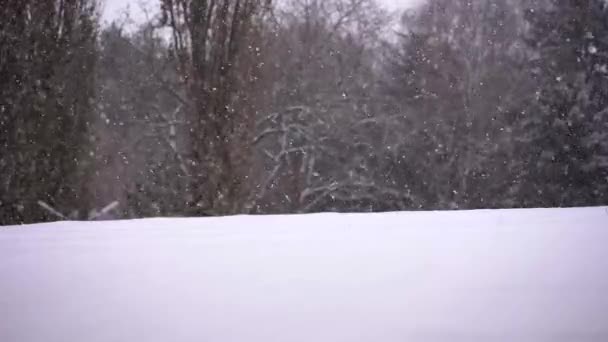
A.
x: 114, y: 8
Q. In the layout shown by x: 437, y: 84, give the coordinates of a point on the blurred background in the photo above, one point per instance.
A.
x: 216, y: 107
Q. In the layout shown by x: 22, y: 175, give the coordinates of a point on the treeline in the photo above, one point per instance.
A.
x: 252, y: 106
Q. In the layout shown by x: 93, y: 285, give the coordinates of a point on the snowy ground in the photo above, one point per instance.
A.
x: 521, y: 275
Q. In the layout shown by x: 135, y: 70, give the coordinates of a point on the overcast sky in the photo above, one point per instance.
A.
x: 113, y: 8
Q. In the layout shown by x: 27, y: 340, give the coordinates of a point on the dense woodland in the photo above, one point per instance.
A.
x: 219, y: 107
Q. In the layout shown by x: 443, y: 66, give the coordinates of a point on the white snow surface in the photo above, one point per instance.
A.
x: 504, y: 275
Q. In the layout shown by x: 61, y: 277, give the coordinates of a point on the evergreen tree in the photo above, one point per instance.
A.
x: 47, y: 59
x: 562, y: 136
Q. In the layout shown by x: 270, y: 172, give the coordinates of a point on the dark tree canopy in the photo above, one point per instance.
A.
x: 48, y: 55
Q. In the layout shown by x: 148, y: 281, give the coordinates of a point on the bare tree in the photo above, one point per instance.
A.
x: 211, y: 43
x: 315, y: 143
x: 140, y: 126
x: 459, y: 74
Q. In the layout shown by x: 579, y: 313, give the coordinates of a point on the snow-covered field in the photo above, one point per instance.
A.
x: 518, y: 275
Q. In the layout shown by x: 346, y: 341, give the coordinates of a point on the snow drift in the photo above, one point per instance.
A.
x: 505, y: 275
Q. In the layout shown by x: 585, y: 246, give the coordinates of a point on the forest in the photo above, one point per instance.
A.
x: 224, y: 107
